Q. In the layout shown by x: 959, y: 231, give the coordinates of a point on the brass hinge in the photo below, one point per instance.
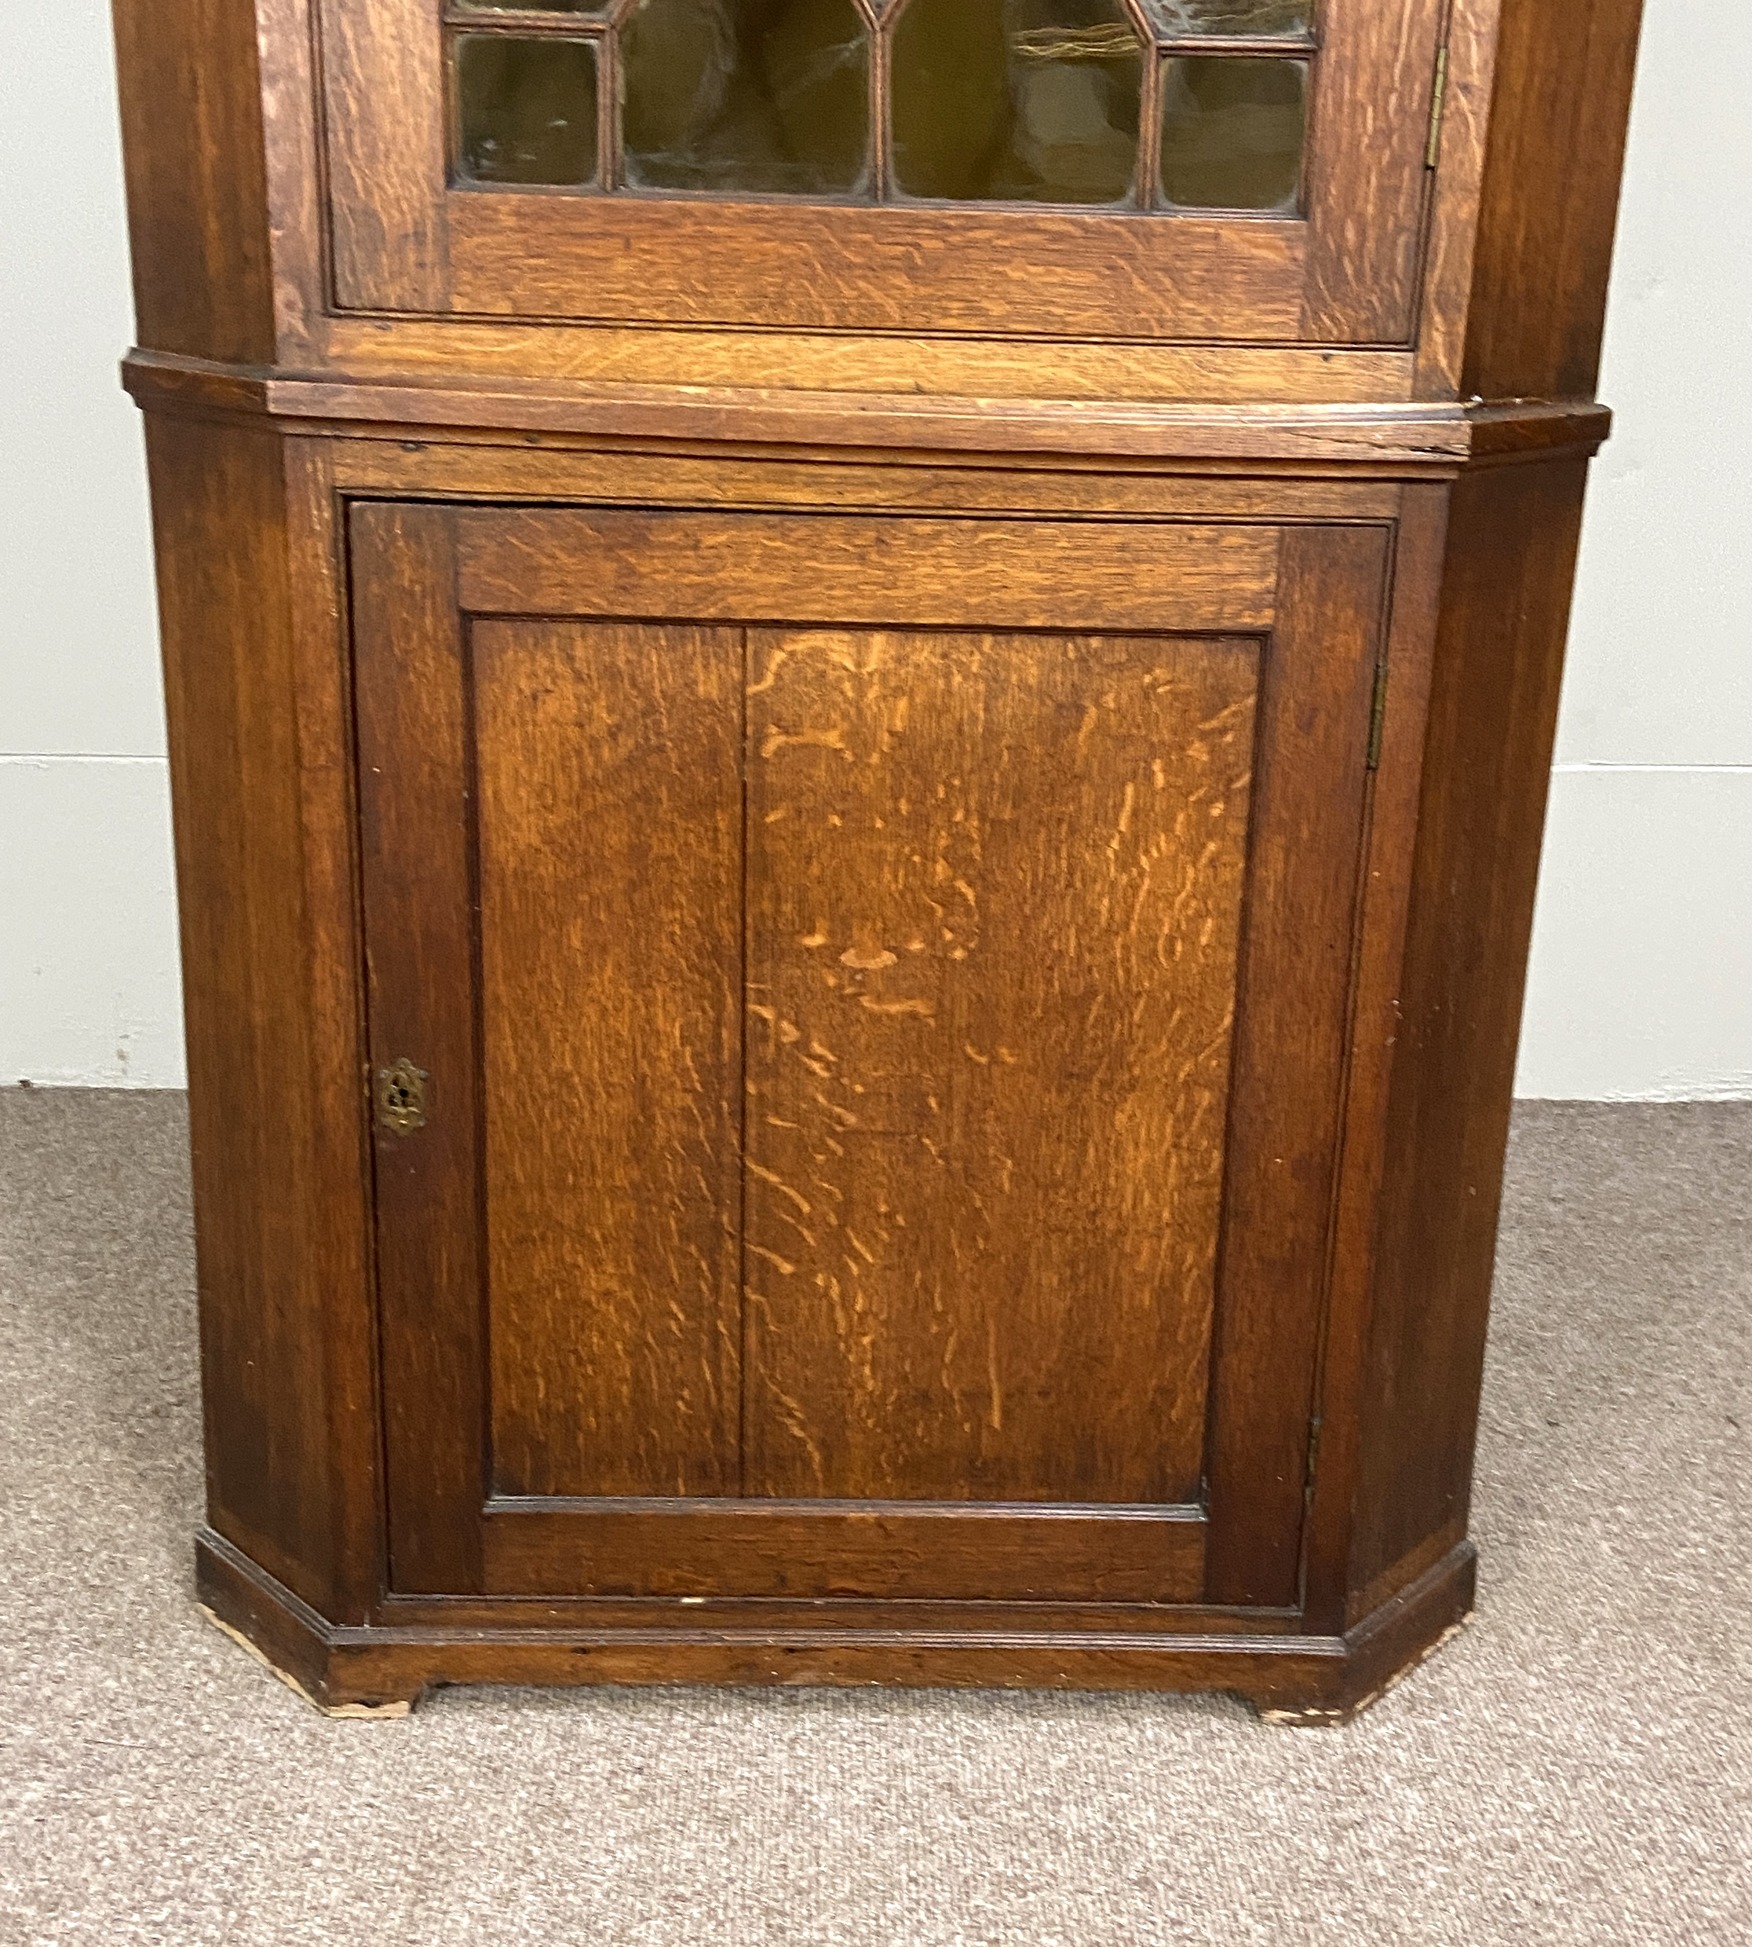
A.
x: 1434, y: 147
x: 1377, y: 716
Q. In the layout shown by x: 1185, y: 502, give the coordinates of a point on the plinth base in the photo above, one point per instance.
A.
x: 382, y: 1670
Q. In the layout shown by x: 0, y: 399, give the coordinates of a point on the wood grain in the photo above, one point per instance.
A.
x: 1419, y: 538
x: 1075, y: 765
x: 338, y: 1261
x: 746, y: 428
x: 994, y: 898
x: 966, y: 368
x: 745, y: 421
x: 826, y: 1551
x: 1412, y: 436
x: 801, y: 1613
x: 1291, y: 1054
x: 846, y: 569
x: 987, y: 464
x: 197, y: 193
x: 1345, y: 275
x: 1549, y: 204
x: 804, y: 267
x: 286, y: 56
x: 1373, y: 82
x: 1452, y: 238
x: 1318, y: 1678
x: 757, y: 484
x: 260, y: 719
x: 385, y: 123
x: 1492, y: 719
x: 609, y: 797
x: 416, y: 875
x: 272, y: 1193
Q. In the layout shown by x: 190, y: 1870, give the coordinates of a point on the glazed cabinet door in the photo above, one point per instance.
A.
x: 857, y: 1018
x: 1250, y: 170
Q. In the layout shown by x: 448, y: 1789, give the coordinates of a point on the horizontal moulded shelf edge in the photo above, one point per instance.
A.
x: 1416, y: 436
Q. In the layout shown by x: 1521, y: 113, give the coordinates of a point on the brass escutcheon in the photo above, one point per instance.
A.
x: 401, y: 1097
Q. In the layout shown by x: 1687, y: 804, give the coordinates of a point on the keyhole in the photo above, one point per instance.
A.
x: 401, y: 1097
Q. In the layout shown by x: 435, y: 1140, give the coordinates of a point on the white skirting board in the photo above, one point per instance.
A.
x: 1640, y: 987
x: 90, y: 993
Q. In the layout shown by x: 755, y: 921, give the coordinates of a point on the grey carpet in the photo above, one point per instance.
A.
x: 1574, y: 1768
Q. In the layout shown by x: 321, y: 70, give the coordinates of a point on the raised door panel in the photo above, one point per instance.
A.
x: 994, y: 916
x: 819, y: 1144
x: 608, y: 864
x: 1249, y: 170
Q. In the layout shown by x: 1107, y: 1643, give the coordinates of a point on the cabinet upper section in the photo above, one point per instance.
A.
x: 882, y: 194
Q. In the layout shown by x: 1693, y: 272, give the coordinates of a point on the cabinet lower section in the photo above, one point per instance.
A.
x: 383, y: 1669
x: 784, y: 1095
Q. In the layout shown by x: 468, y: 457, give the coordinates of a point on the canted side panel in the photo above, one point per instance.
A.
x: 994, y: 903
x: 1392, y: 828
x: 1549, y: 204
x: 1499, y: 653
x: 275, y: 1185
x: 609, y: 768
x: 197, y: 182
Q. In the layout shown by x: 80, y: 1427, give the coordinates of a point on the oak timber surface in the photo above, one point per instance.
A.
x: 994, y: 899
x: 1030, y: 854
x: 842, y: 568
x: 1064, y: 481
x: 416, y: 870
x: 610, y: 805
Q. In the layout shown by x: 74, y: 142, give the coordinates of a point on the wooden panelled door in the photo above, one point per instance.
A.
x: 857, y: 1018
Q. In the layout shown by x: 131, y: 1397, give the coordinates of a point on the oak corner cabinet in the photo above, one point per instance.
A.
x: 860, y: 695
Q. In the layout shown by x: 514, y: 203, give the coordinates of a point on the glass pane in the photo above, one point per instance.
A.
x: 760, y: 96
x: 1277, y: 17
x: 1232, y: 133
x: 1016, y: 100
x: 527, y: 110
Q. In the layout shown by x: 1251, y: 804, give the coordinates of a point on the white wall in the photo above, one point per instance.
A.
x: 1642, y: 967
x: 1641, y: 982
x: 88, y: 983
